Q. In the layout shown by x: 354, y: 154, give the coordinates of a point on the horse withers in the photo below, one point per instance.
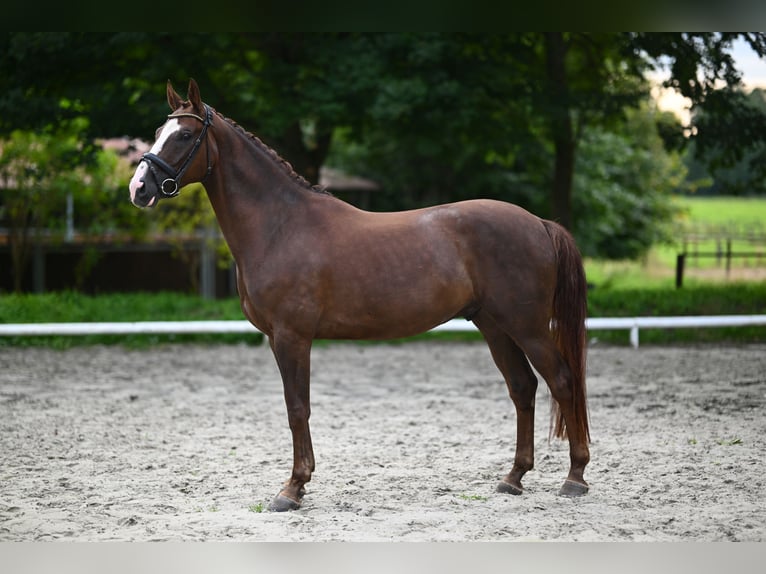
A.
x: 311, y: 266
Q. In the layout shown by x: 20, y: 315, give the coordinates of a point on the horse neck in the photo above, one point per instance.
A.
x: 251, y: 191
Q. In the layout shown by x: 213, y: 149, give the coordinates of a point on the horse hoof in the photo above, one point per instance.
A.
x: 282, y: 504
x: 508, y: 488
x: 572, y: 489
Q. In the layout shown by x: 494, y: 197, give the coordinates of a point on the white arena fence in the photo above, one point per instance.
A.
x: 632, y: 324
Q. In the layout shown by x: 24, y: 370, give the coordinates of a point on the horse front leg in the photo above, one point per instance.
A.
x: 293, y: 356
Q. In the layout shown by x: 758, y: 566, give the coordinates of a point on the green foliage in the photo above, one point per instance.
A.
x: 434, y: 117
x: 624, y: 180
x: 50, y: 176
x: 37, y: 170
x: 444, y: 149
x: 190, y: 215
x: 101, y: 206
x: 724, y: 167
x: 730, y: 299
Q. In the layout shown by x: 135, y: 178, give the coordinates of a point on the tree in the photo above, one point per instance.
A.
x: 591, y: 79
x: 722, y: 171
x: 623, y: 186
x: 35, y: 174
x: 548, y: 91
x: 51, y: 183
x: 726, y: 125
x: 439, y: 112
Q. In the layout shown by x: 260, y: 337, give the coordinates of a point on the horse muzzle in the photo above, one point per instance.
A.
x: 141, y: 194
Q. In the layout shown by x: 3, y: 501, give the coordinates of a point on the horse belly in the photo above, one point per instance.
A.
x: 396, y: 301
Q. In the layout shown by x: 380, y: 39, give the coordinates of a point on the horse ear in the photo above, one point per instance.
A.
x: 174, y: 100
x: 194, y: 97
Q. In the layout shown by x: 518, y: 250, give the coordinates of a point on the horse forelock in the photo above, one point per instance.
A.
x: 279, y: 160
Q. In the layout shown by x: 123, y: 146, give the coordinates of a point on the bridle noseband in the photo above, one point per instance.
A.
x: 170, y: 186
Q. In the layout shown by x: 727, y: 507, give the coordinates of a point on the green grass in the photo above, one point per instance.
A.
x: 257, y: 508
x: 71, y: 306
x: 723, y: 210
x: 651, y: 273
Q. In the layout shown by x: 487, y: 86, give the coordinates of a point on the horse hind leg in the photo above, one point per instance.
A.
x: 522, y: 386
x: 550, y: 363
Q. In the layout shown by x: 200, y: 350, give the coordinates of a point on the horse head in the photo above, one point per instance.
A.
x: 174, y: 154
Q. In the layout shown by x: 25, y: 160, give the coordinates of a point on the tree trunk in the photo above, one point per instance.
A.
x: 563, y: 171
x: 561, y: 126
x: 18, y: 238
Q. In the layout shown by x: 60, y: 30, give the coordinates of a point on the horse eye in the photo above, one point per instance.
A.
x: 186, y: 135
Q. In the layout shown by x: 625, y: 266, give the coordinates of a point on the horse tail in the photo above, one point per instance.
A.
x: 569, y: 311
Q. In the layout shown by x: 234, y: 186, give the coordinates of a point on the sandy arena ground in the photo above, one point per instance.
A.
x: 191, y: 442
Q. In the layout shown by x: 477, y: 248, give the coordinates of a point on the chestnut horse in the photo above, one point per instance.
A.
x: 310, y: 266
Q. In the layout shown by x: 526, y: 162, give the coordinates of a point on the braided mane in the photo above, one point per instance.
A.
x: 283, y: 163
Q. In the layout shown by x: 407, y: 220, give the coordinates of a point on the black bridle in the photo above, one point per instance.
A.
x: 170, y: 186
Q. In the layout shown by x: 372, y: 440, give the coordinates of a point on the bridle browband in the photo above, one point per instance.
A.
x: 154, y: 161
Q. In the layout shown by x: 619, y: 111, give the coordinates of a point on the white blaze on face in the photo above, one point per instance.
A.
x: 135, y: 181
x: 170, y: 127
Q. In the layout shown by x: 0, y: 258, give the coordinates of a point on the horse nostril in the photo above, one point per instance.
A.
x: 142, y: 191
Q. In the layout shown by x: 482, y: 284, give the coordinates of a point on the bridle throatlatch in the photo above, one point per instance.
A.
x: 170, y: 186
